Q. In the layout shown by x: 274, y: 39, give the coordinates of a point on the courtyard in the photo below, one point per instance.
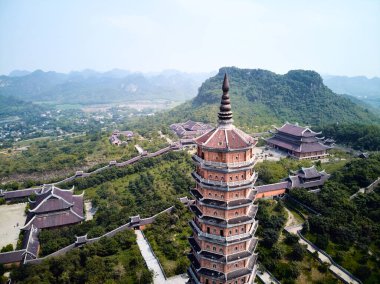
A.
x: 12, y: 218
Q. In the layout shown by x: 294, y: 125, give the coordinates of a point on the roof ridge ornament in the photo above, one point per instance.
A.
x: 225, y: 113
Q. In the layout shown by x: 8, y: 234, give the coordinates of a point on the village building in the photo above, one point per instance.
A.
x: 116, y: 135
x: 54, y: 207
x: 298, y: 142
x: 223, y: 242
x: 190, y: 129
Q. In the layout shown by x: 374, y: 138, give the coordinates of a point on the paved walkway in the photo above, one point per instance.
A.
x: 149, y: 258
x: 178, y: 279
x: 297, y: 227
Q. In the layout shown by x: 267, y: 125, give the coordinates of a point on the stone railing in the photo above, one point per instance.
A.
x: 223, y: 183
x: 251, y: 161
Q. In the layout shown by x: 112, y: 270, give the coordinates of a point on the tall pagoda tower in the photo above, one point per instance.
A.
x: 223, y: 242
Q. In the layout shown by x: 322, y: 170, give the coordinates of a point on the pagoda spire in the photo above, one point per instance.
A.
x: 225, y: 113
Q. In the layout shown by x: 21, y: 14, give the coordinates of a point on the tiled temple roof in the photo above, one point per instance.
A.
x: 310, y: 172
x: 272, y: 187
x: 12, y: 256
x: 296, y: 130
x: 226, y: 138
x: 54, y: 207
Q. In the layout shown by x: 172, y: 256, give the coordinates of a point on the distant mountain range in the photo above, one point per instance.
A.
x: 367, y: 90
x: 262, y: 97
x: 88, y: 86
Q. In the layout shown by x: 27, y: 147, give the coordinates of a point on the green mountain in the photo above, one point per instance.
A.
x: 90, y: 87
x: 261, y: 97
x: 363, y: 88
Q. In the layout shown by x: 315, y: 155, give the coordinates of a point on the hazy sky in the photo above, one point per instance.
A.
x: 333, y: 37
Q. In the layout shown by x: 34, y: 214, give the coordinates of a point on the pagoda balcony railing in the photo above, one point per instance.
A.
x: 252, y: 210
x: 224, y: 183
x: 193, y: 275
x: 222, y: 203
x: 251, y: 161
x: 253, y: 244
x: 223, y: 239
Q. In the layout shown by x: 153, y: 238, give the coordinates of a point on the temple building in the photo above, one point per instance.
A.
x: 54, y: 207
x: 190, y: 129
x: 223, y: 242
x: 298, y: 142
x: 308, y: 178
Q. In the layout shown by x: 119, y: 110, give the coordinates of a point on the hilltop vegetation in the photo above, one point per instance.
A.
x: 262, y: 97
x: 357, y: 135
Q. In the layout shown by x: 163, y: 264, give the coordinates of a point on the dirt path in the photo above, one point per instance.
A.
x: 291, y: 221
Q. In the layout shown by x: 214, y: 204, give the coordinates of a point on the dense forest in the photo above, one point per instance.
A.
x: 110, y: 260
x: 348, y: 229
x: 358, y: 136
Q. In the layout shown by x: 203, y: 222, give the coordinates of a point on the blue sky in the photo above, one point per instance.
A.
x: 331, y: 37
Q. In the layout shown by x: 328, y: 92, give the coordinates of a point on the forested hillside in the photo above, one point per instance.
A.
x: 263, y: 97
x: 367, y: 90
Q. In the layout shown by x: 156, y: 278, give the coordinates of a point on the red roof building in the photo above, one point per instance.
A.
x: 223, y: 242
x: 299, y: 142
x: 54, y: 207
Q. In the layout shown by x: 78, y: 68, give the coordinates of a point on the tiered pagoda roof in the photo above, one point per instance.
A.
x: 225, y: 136
x: 54, y: 207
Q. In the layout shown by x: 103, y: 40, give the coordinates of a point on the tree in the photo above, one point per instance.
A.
x: 291, y: 239
x: 270, y: 237
x: 322, y: 241
x: 8, y: 247
x: 298, y: 252
x: 277, y: 252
